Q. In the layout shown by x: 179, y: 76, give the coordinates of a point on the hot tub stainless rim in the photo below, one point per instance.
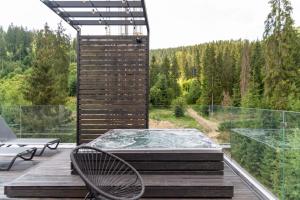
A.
x: 216, y: 149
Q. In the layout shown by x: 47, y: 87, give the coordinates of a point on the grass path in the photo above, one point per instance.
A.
x: 164, y: 118
x: 210, y: 127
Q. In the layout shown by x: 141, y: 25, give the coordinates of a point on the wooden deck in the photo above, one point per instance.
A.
x: 55, y: 170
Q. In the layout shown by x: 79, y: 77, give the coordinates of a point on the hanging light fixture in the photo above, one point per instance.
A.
x: 131, y: 21
x: 100, y: 21
x: 124, y: 1
x: 93, y: 11
x: 127, y: 10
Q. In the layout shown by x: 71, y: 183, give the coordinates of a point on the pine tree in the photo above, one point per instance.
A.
x: 245, y: 69
x: 165, y: 67
x: 253, y: 96
x: 184, y: 66
x: 228, y: 68
x: 48, y: 81
x: 175, y: 68
x: 197, y: 64
x: 236, y: 97
x: 2, y: 49
x: 154, y: 71
x: 281, y: 51
x: 174, y: 76
x: 211, y: 90
x: 257, y: 64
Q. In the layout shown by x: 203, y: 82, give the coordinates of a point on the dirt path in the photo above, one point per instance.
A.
x: 210, y: 127
x: 161, y: 124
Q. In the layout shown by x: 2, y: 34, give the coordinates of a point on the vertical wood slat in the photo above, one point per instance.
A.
x: 77, y: 89
x: 107, y: 88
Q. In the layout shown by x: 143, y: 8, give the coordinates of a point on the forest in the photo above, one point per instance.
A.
x: 39, y: 68
x: 241, y: 73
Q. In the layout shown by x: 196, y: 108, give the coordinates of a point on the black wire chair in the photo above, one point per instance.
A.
x: 106, y: 176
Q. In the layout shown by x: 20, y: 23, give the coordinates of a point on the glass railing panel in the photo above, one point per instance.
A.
x: 41, y: 122
x: 12, y: 117
x: 256, y: 138
x: 290, y: 183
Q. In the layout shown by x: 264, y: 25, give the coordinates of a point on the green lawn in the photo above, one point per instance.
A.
x: 165, y: 114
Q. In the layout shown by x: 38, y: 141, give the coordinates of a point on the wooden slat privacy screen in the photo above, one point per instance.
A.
x: 112, y: 84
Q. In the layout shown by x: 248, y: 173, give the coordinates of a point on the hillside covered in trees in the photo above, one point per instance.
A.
x: 264, y: 74
x: 36, y: 67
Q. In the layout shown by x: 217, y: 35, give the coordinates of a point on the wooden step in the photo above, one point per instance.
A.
x: 207, y: 162
x: 166, y: 186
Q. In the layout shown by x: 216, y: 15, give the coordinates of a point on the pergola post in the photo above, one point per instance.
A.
x: 112, y: 70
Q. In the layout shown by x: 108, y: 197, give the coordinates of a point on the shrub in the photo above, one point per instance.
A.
x: 179, y: 107
x: 192, y: 90
x: 160, y: 93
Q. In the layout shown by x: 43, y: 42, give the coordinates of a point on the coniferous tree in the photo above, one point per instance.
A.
x: 174, y: 76
x: 18, y: 42
x: 2, y: 48
x: 154, y: 71
x: 197, y: 64
x: 184, y: 66
x: 48, y: 81
x: 211, y: 91
x: 253, y: 96
x: 281, y: 53
x: 165, y: 67
x: 175, y: 68
x: 228, y: 68
x: 245, y: 69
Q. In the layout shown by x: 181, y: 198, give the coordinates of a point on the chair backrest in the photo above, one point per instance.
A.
x: 106, y: 175
x: 5, y: 131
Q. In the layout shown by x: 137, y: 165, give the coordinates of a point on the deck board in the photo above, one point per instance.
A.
x: 58, y: 173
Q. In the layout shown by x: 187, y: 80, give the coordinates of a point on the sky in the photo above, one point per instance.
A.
x: 173, y: 22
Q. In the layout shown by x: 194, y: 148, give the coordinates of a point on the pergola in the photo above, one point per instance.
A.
x: 113, y: 69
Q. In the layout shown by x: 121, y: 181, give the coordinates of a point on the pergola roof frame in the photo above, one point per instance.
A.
x: 105, y: 18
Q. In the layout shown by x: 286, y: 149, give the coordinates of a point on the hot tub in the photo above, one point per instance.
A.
x: 155, y: 140
x: 169, y: 151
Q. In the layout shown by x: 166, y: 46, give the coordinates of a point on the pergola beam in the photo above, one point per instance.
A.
x: 103, y: 14
x: 109, y: 22
x: 74, y: 14
x: 97, y: 4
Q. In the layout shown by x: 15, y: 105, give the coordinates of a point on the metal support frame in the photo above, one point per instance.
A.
x: 110, y: 18
x: 30, y: 152
x: 51, y: 145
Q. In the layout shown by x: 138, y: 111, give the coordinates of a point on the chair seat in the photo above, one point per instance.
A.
x: 11, y: 152
x: 106, y: 175
x: 30, y: 141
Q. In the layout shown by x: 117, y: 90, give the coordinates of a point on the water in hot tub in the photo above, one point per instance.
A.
x: 147, y: 139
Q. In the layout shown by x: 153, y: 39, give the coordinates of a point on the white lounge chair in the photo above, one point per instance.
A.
x: 9, y: 138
